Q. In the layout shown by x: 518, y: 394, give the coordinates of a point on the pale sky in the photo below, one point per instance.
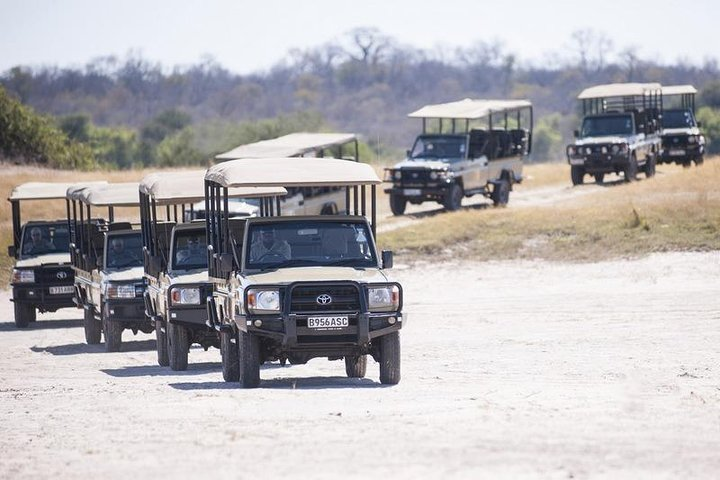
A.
x: 250, y: 36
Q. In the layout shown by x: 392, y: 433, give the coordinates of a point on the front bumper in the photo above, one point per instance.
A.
x: 125, y: 310
x: 601, y: 162
x: 39, y: 295
x: 423, y: 192
x: 682, y: 153
x: 189, y: 316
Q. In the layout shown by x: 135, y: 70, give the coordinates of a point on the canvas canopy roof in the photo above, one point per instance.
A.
x: 678, y: 90
x: 469, y: 109
x: 46, y: 190
x: 619, y: 90
x: 111, y: 195
x: 168, y: 188
x: 292, y: 172
x: 292, y: 145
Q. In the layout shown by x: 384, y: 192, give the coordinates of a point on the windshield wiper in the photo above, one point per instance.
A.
x: 349, y: 262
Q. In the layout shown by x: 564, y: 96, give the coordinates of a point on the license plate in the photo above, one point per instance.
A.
x: 677, y: 153
x: 61, y: 290
x: 412, y: 192
x: 327, y: 323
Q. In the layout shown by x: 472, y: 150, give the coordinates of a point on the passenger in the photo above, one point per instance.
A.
x: 119, y: 256
x: 39, y: 243
x: 267, y: 246
x: 192, y: 253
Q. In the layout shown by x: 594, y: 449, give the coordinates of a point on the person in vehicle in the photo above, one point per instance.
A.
x: 267, y: 246
x: 38, y: 243
x: 119, y: 256
x: 192, y: 253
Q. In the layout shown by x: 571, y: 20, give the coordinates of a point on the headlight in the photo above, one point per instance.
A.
x: 615, y: 148
x: 384, y: 299
x: 397, y: 174
x: 588, y: 151
x: 433, y: 175
x: 263, y: 301
x: 571, y: 151
x: 603, y: 150
x: 185, y: 296
x: 692, y: 139
x: 623, y: 147
x: 120, y: 291
x: 23, y: 276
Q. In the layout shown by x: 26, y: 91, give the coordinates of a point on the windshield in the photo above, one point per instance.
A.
x: 678, y: 119
x: 189, y: 250
x: 607, y: 125
x: 124, y: 251
x: 439, y: 147
x: 309, y: 243
x: 41, y: 239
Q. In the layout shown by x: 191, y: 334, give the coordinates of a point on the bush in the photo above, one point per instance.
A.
x: 710, y: 119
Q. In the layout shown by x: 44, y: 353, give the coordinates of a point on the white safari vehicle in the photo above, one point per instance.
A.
x: 467, y: 148
x: 620, y: 131
x: 682, y: 140
x: 42, y: 278
x: 292, y: 288
x: 175, y: 261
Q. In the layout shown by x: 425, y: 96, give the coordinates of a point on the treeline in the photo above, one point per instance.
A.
x: 133, y: 111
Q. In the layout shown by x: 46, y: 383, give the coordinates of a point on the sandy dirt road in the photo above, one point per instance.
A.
x: 510, y: 370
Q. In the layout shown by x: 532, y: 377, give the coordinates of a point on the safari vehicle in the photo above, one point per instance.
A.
x: 42, y: 278
x: 175, y: 262
x: 107, y: 260
x: 682, y: 140
x: 300, y: 201
x: 471, y: 158
x: 293, y: 288
x: 620, y: 132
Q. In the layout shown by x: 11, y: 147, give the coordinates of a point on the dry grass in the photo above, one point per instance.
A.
x: 677, y: 210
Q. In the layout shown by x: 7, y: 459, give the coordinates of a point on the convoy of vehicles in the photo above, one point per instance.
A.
x: 175, y: 262
x: 620, y: 132
x: 42, y: 278
x: 469, y: 158
x: 682, y: 140
x: 106, y: 256
x: 293, y: 288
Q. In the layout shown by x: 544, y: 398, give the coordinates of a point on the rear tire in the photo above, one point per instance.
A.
x: 113, y: 335
x: 577, y: 173
x: 356, y: 366
x: 229, y: 355
x: 631, y: 169
x: 162, y: 346
x: 178, y: 346
x: 249, y: 359
x: 501, y: 193
x: 650, y: 164
x: 397, y: 204
x: 453, y: 198
x: 390, y: 359
x: 93, y: 328
x: 24, y: 314
x: 699, y: 160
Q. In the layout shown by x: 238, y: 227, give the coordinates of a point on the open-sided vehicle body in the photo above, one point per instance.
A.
x: 472, y: 158
x: 299, y: 287
x: 107, y: 261
x: 42, y: 278
x: 324, y: 200
x: 682, y: 140
x: 620, y: 131
x: 175, y: 261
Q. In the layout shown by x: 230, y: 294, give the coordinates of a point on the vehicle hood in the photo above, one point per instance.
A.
x: 126, y: 275
x: 681, y: 131
x: 606, y: 139
x: 191, y: 276
x: 318, y: 274
x: 50, y: 258
x: 427, y: 164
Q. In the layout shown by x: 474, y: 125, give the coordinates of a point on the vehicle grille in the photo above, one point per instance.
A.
x: 674, y: 141
x: 414, y: 177
x: 47, y: 275
x: 345, y: 298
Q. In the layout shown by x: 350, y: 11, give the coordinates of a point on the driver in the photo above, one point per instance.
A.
x: 38, y: 243
x: 119, y: 256
x: 191, y: 253
x: 267, y: 245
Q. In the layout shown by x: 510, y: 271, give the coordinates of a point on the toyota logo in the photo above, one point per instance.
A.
x: 324, y: 299
x: 61, y: 275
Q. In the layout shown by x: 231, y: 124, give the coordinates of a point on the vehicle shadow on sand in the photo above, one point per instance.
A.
x: 83, y: 348
x: 305, y: 383
x: 439, y: 210
x: 42, y: 325
x: 158, y: 371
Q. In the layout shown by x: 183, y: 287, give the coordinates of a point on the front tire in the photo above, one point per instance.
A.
x: 178, y: 346
x: 24, y: 314
x: 577, y: 173
x: 501, y: 193
x: 650, y: 166
x: 599, y: 178
x: 356, y: 366
x: 631, y: 169
x: 162, y: 346
x: 229, y: 356
x: 699, y: 160
x: 93, y: 328
x: 390, y: 359
x: 453, y: 198
x: 113, y: 335
x: 397, y: 204
x: 249, y: 359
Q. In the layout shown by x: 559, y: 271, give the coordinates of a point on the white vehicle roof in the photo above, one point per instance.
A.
x: 678, y: 90
x: 293, y: 145
x: 469, y: 109
x: 292, y: 172
x: 46, y: 190
x: 168, y: 188
x: 619, y: 90
x: 110, y: 195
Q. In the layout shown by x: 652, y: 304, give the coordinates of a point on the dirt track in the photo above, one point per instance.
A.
x: 511, y: 370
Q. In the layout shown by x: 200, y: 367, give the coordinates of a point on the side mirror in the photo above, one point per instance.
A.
x: 11, y: 250
x: 576, y: 133
x: 408, y: 153
x: 387, y: 259
x: 699, y: 124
